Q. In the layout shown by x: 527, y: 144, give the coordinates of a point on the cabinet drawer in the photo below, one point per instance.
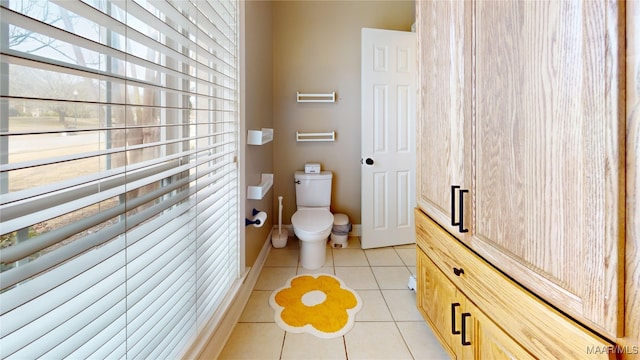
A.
x: 539, y: 328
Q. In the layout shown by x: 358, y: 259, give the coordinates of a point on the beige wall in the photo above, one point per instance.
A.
x: 316, y: 48
x: 307, y: 46
x: 258, y: 114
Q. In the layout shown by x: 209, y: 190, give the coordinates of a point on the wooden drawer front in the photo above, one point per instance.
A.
x: 543, y: 331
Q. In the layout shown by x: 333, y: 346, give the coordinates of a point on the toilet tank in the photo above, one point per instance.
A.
x: 313, y: 190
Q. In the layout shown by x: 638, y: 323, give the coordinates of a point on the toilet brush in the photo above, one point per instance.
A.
x: 279, y: 240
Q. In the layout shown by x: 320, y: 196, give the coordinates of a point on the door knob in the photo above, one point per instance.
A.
x: 369, y: 161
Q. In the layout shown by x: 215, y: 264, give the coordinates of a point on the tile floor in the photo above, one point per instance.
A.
x: 387, y: 327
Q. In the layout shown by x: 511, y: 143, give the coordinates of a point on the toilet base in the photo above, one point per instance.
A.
x: 313, y: 254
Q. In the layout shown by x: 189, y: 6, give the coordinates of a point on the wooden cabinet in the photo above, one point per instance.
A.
x: 479, y: 313
x: 444, y: 104
x: 521, y: 106
x: 548, y: 157
x: 631, y: 338
x: 462, y: 328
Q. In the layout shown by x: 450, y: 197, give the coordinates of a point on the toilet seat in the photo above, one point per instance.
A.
x: 312, y: 222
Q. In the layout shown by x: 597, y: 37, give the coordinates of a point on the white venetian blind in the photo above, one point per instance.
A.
x: 118, y: 176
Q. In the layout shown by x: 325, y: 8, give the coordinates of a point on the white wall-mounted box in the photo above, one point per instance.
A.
x: 259, y: 191
x: 259, y: 137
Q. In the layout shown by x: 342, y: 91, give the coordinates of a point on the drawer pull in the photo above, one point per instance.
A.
x: 460, y: 223
x: 464, y: 329
x: 458, y: 271
x: 453, y: 318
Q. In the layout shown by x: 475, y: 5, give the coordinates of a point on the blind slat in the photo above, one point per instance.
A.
x: 27, y: 248
x: 48, y: 281
x: 175, y: 305
x: 135, y: 246
x: 69, y: 335
x: 56, y: 33
x: 55, y: 326
x: 81, y: 344
x: 114, y: 25
x: 110, y: 343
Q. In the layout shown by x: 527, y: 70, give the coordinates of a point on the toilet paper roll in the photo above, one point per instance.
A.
x: 259, y: 219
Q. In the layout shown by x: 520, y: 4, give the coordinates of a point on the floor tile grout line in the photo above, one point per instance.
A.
x: 344, y: 343
x: 284, y: 338
x: 333, y: 265
x: 404, y: 340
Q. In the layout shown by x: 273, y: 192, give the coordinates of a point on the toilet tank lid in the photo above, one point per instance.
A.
x: 324, y: 174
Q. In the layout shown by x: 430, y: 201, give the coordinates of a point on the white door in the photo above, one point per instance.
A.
x: 388, y: 137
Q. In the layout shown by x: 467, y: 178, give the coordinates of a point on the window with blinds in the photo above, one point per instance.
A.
x: 119, y: 188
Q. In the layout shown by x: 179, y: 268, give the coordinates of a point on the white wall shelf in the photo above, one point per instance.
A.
x: 258, y: 192
x: 259, y: 137
x: 316, y: 136
x: 316, y: 97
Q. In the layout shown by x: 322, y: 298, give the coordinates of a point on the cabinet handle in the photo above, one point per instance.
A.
x: 453, y: 205
x: 464, y: 329
x: 460, y: 223
x: 453, y: 318
x: 458, y: 271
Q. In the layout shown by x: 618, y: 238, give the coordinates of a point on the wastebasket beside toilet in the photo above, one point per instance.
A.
x: 340, y: 231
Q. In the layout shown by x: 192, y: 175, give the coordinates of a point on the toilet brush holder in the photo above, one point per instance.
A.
x: 279, y: 238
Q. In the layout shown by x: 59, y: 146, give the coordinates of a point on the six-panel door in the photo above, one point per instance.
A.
x: 388, y: 137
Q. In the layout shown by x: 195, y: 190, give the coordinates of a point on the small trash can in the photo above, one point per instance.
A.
x: 340, y: 230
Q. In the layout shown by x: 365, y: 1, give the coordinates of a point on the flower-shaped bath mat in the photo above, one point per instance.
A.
x: 318, y: 304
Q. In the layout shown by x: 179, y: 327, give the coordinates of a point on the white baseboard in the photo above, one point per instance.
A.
x: 356, y: 229
x: 216, y: 333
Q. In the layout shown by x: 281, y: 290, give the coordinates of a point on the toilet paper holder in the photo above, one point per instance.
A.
x: 255, y: 220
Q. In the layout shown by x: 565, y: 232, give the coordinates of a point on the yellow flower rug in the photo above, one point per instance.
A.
x: 318, y: 304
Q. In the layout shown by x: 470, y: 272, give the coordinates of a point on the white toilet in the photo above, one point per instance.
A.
x: 312, y: 222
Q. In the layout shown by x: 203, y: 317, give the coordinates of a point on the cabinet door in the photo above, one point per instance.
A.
x: 443, y: 29
x: 490, y: 342
x: 547, y: 159
x: 439, y: 302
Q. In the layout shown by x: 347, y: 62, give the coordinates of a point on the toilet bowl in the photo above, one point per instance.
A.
x: 312, y: 226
